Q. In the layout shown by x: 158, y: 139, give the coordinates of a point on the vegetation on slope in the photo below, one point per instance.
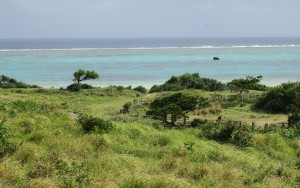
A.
x: 51, y: 149
x: 284, y: 98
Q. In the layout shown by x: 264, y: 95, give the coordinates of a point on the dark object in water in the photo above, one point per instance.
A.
x: 216, y: 58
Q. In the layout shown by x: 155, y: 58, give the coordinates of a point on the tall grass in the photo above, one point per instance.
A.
x: 52, y: 150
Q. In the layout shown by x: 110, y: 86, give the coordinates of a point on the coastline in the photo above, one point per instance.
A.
x: 51, y: 62
x: 148, y: 85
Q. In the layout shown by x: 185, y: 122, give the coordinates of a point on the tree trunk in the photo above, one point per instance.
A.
x: 173, y: 119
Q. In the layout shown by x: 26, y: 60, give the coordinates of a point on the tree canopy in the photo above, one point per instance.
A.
x: 189, y: 81
x: 243, y: 85
x: 176, y: 105
x: 284, y: 98
x: 82, y: 75
x: 7, y: 82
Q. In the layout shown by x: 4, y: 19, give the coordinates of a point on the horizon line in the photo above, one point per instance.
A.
x: 183, y: 37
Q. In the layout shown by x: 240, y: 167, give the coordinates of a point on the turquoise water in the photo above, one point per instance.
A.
x: 148, y: 66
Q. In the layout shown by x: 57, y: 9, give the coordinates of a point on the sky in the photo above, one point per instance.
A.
x: 148, y: 18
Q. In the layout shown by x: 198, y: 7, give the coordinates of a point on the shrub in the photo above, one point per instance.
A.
x: 294, y: 119
x: 140, y: 89
x: 227, y: 132
x: 126, y: 107
x: 242, y: 137
x: 74, y: 87
x: 90, y: 123
x: 6, y: 82
x: 281, y: 99
x: 189, y: 81
x: 197, y: 122
x: 203, y: 102
x: 86, y: 86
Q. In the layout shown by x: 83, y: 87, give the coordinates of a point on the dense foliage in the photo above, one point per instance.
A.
x: 248, y: 83
x: 227, y: 132
x: 189, y: 81
x: 294, y: 120
x: 140, y: 89
x: 175, y: 106
x: 82, y: 75
x: 7, y: 82
x: 126, y: 107
x: 243, y: 85
x: 90, y: 123
x: 284, y: 98
x: 75, y: 87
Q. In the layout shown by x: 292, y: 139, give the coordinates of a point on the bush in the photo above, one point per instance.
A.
x: 281, y: 99
x: 197, y: 122
x: 140, y: 89
x: 126, y: 107
x: 6, y: 82
x: 189, y: 81
x: 241, y: 137
x: 90, y: 123
x: 86, y: 86
x: 294, y: 120
x: 74, y: 87
x: 227, y: 132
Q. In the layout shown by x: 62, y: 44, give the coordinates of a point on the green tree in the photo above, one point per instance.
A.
x: 284, y: 98
x: 243, y: 85
x: 82, y: 75
x: 189, y: 81
x: 175, y: 106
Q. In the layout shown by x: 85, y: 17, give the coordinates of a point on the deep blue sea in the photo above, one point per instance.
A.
x: 51, y: 62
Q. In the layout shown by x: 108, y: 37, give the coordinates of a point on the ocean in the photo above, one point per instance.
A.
x: 51, y: 62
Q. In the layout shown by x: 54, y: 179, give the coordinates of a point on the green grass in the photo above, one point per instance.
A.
x: 51, y: 149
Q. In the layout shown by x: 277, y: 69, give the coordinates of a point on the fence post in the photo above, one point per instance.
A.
x: 266, y: 127
x: 253, y: 126
x: 241, y: 124
x: 184, y: 121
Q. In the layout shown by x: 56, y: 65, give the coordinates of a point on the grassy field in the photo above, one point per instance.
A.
x: 49, y: 148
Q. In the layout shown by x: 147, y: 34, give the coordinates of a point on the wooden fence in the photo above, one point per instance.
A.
x: 186, y: 122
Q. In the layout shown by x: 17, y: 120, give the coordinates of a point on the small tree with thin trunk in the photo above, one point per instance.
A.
x: 242, y: 86
x: 82, y: 75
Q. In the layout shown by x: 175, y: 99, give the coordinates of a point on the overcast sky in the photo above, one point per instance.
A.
x: 148, y: 18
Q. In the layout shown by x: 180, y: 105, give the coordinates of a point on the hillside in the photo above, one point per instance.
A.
x: 48, y: 148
